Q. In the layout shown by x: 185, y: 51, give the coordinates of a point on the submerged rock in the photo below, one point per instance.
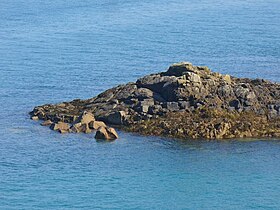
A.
x: 186, y: 101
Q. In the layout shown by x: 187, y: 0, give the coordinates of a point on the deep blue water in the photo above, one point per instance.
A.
x: 52, y: 51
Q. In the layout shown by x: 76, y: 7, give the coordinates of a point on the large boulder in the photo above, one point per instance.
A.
x: 80, y: 127
x: 143, y: 93
x: 85, y: 118
x: 193, y: 78
x: 112, y: 133
x: 96, y: 124
x: 244, y: 91
x: 178, y: 69
x: 143, y: 106
x: 81, y: 124
x: 169, y: 90
x: 106, y: 133
x: 61, y: 127
x: 171, y: 106
x: 155, y: 82
x: 125, y: 91
x: 115, y: 118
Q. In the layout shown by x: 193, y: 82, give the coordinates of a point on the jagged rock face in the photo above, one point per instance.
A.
x: 183, y: 88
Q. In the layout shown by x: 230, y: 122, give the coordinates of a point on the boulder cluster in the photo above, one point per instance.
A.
x: 186, y: 101
x: 84, y: 123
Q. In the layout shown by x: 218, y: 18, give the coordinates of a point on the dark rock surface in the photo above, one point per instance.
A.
x: 186, y: 101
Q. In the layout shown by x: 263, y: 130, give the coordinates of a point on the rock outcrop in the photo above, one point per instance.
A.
x: 186, y: 101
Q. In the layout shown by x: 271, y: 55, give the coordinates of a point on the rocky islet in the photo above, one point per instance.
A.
x: 186, y: 101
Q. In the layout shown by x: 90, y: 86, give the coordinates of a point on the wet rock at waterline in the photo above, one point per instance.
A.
x: 85, y: 123
x: 106, y: 133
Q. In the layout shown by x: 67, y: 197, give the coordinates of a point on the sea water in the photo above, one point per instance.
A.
x: 54, y: 51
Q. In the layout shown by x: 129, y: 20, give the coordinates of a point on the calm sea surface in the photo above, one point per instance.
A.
x: 52, y: 51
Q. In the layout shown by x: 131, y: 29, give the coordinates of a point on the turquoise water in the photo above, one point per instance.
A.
x: 52, y: 51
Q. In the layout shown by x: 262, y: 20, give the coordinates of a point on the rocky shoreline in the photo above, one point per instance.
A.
x: 186, y: 101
